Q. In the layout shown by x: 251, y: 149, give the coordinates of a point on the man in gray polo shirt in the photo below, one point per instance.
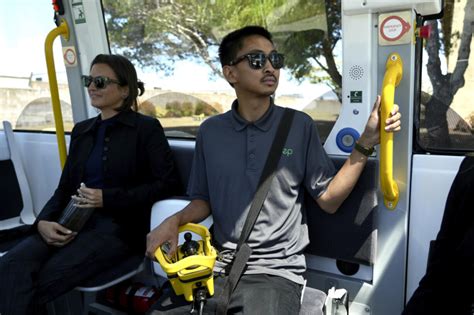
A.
x: 231, y: 151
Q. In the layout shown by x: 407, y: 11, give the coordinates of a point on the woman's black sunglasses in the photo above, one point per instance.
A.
x: 257, y: 60
x: 100, y: 82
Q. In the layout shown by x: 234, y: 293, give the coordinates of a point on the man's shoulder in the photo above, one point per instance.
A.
x: 299, y: 117
x: 215, y: 121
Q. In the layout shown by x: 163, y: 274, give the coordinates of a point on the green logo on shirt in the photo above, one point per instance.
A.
x: 287, y: 152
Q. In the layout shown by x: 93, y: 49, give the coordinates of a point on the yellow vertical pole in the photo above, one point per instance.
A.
x: 62, y: 29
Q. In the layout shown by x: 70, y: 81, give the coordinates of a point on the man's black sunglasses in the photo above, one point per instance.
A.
x: 257, y: 60
x: 100, y: 82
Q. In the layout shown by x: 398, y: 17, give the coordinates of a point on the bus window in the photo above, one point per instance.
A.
x: 174, y: 44
x: 446, y: 115
x: 24, y: 87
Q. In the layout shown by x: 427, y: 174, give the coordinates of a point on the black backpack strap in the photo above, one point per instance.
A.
x: 243, y: 250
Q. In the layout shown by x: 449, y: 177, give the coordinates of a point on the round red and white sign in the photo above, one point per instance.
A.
x: 393, y: 28
x: 70, y: 56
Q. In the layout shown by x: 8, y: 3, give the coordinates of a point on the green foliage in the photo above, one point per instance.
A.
x: 179, y: 109
x: 157, y: 35
x: 206, y: 109
x: 147, y: 108
x: 160, y: 111
x: 186, y: 109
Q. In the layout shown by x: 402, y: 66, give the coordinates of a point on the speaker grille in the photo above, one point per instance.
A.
x: 356, y: 72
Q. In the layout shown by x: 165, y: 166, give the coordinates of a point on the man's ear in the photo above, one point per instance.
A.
x: 229, y: 74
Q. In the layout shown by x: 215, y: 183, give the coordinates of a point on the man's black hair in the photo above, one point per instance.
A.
x: 234, y: 41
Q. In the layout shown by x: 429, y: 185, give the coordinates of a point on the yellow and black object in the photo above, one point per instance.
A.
x: 191, y: 268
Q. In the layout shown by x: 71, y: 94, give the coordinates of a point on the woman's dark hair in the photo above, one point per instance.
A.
x: 234, y: 41
x: 126, y: 75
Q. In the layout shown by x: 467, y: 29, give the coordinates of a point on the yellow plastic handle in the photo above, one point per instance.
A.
x: 63, y: 30
x: 207, y: 260
x: 393, y: 76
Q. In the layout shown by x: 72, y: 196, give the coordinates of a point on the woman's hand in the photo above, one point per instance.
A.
x: 88, y: 197
x: 54, y: 233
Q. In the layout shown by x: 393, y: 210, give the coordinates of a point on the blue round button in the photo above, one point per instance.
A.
x: 346, y: 139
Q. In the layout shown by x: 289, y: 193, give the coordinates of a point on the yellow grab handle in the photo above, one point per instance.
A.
x: 186, y: 274
x: 62, y: 29
x: 206, y: 260
x: 392, y: 77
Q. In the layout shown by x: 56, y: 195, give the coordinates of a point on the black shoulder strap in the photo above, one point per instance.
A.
x: 267, y: 174
x: 243, y: 250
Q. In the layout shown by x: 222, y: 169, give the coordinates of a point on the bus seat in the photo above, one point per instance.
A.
x: 82, y: 300
x: 352, y: 248
x: 349, y: 235
x: 124, y: 270
x: 357, y: 242
x: 183, y: 153
x: 17, y: 206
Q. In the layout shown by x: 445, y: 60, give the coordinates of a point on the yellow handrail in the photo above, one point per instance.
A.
x: 62, y: 29
x: 393, y: 76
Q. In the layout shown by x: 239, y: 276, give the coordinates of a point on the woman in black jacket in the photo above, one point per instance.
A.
x: 119, y: 163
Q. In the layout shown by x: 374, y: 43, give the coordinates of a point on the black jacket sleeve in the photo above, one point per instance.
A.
x: 63, y: 192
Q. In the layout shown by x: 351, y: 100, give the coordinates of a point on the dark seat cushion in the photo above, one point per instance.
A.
x: 183, y: 157
x: 350, y: 234
x: 123, y: 267
x: 10, y: 193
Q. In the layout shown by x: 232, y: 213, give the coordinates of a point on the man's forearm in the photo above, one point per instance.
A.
x: 343, y: 182
x: 196, y: 211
